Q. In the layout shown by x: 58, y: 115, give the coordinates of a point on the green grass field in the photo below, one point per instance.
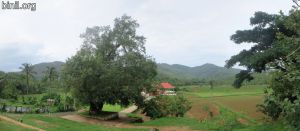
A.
x: 234, y: 105
x: 7, y: 126
x: 227, y: 120
x: 53, y: 123
x: 112, y: 108
x: 237, y: 109
x: 221, y: 91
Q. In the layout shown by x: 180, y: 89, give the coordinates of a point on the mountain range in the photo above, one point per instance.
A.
x: 206, y: 71
x: 41, y: 68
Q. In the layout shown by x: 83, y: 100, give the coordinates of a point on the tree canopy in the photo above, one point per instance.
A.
x: 276, y: 48
x: 270, y: 50
x: 111, y: 66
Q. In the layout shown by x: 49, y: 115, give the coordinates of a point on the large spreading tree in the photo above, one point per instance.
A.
x: 271, y: 46
x: 276, y: 49
x: 111, y: 66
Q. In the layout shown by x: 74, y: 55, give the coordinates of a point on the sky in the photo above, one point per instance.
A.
x: 188, y: 32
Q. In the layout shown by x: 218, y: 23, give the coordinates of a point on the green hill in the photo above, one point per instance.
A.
x: 206, y: 71
x: 42, y: 67
x: 176, y: 73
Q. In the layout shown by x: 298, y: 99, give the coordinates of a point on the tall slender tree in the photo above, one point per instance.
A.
x: 50, y: 74
x: 27, y: 70
x: 2, y: 75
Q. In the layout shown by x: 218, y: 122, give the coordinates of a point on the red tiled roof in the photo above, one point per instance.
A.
x: 166, y: 85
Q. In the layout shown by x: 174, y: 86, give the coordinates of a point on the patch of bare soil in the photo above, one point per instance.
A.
x: 243, y: 121
x: 46, y: 124
x: 246, y: 104
x: 19, y: 123
x: 172, y: 128
x: 202, y: 109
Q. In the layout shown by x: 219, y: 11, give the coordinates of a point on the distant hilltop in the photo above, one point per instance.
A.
x: 205, y: 71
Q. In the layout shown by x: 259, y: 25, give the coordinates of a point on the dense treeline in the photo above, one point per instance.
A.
x: 22, y: 89
x: 13, y: 84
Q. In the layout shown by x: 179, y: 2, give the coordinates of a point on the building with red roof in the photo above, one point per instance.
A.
x: 166, y: 85
x: 166, y: 88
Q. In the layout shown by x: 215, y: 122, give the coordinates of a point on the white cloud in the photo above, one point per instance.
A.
x: 12, y: 55
x: 189, y: 32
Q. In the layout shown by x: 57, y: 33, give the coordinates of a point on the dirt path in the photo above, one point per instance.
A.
x: 121, y: 123
x: 19, y: 123
x: 123, y: 113
x: 129, y: 109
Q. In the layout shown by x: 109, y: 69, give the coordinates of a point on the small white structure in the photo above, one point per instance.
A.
x: 169, y: 93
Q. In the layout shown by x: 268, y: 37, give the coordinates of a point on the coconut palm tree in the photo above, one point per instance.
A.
x: 27, y: 70
x: 51, y: 74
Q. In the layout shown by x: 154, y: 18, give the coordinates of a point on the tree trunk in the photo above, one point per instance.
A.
x: 95, y: 108
x: 27, y: 78
x: 74, y: 104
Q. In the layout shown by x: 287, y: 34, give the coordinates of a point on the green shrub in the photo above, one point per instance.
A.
x: 152, y: 109
x: 56, y: 97
x: 67, y: 105
x: 163, y: 106
x: 60, y: 107
x: 291, y: 114
x: 31, y: 100
x: 270, y: 107
x: 283, y: 98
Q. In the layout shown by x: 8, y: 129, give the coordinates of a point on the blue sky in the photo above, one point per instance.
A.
x: 189, y: 32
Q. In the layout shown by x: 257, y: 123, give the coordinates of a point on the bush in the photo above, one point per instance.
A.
x: 152, y: 109
x: 67, y: 105
x: 60, y: 107
x: 291, y: 114
x: 271, y: 107
x: 31, y: 100
x: 283, y: 98
x: 163, y: 106
x: 56, y: 97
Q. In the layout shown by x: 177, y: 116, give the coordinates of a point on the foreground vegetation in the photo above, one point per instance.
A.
x: 53, y: 123
x: 228, y: 117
